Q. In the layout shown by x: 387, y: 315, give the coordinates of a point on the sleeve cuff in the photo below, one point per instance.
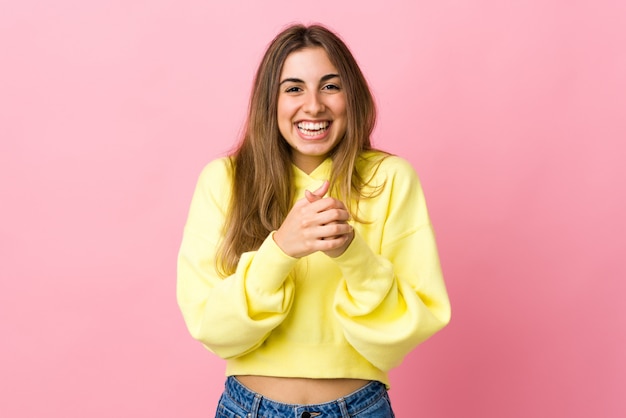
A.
x: 363, y: 270
x: 269, y: 267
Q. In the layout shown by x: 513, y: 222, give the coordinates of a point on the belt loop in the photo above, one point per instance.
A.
x: 343, y: 407
x: 254, y: 410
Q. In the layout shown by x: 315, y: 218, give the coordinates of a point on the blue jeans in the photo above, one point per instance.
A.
x: 237, y: 401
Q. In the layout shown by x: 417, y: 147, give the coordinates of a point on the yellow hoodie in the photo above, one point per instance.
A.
x: 354, y: 316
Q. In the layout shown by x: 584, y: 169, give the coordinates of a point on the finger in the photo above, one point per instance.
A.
x: 317, y: 194
x: 334, y: 231
x: 327, y: 203
x: 311, y: 197
x: 333, y: 215
x: 336, y: 240
x: 323, y: 189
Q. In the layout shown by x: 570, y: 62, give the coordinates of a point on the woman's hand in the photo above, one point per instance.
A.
x: 315, y: 223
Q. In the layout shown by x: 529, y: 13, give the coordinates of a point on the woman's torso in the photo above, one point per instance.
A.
x: 301, y: 390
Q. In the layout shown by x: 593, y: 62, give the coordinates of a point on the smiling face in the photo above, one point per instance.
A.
x: 311, y: 107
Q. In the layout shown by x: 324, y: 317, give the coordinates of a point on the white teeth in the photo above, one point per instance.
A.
x: 313, y: 126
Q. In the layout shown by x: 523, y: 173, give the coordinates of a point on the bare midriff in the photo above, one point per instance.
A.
x: 300, y: 390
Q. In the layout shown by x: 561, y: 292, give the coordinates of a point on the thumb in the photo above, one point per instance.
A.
x: 317, y: 194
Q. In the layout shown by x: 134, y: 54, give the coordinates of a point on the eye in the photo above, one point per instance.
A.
x: 293, y: 89
x: 331, y: 87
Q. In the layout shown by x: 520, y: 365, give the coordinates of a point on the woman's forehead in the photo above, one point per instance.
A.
x: 307, y: 64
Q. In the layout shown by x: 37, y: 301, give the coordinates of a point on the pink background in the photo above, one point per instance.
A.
x: 513, y: 113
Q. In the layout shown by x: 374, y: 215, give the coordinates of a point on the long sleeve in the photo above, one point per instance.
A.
x: 392, y: 296
x: 233, y: 315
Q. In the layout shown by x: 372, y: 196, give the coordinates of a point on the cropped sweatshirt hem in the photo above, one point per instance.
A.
x: 328, y: 361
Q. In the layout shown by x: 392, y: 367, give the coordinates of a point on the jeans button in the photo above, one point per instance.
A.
x: 305, y: 414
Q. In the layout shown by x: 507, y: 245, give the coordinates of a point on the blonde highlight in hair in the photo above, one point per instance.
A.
x: 263, y: 190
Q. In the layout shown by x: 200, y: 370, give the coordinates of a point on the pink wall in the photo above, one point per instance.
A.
x: 514, y: 115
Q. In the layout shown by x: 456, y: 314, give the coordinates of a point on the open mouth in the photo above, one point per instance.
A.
x: 313, y: 128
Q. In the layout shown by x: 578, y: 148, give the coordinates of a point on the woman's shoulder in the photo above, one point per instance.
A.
x: 380, y: 163
x: 218, y: 169
x: 216, y: 178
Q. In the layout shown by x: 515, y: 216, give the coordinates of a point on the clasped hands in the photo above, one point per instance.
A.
x: 315, y: 223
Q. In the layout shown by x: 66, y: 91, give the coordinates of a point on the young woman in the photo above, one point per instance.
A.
x: 308, y: 260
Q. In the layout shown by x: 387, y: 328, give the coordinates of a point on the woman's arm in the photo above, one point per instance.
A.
x: 233, y: 315
x: 391, y: 301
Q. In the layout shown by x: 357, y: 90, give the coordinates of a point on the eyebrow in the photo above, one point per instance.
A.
x: 297, y: 80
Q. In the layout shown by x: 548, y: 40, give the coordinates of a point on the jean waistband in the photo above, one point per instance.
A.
x: 344, y: 406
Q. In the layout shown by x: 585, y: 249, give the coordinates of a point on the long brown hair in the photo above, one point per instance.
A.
x: 262, y: 192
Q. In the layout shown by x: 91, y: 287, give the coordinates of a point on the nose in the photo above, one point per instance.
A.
x: 313, y: 104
